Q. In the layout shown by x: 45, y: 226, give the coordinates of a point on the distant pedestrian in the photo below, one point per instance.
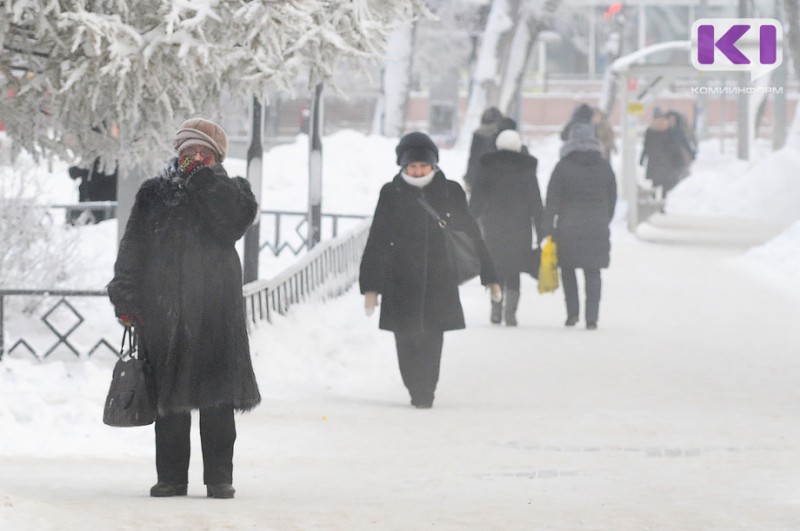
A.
x: 581, y: 198
x: 406, y: 262
x: 506, y: 202
x: 582, y: 114
x: 483, y: 141
x: 661, y: 152
x: 604, y: 132
x: 95, y: 185
x: 178, y: 281
x: 684, y: 137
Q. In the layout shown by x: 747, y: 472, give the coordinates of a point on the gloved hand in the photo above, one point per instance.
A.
x: 370, y: 302
x: 496, y: 292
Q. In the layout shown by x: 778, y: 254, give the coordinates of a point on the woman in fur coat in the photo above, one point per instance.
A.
x: 405, y: 261
x: 178, y: 280
x: 506, y: 202
x: 581, y: 198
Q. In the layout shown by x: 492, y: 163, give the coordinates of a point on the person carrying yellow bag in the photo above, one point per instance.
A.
x: 581, y: 197
x: 548, y: 266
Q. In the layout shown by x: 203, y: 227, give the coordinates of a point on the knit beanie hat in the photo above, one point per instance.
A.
x: 416, y: 147
x: 201, y: 132
x: 581, y: 138
x: 509, y: 140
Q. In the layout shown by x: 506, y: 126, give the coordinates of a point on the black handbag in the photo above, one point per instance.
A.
x: 131, y: 397
x: 461, y: 248
x: 533, y: 260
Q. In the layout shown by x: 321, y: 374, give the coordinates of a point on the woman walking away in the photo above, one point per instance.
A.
x: 406, y: 262
x: 580, y: 202
x: 178, y: 280
x: 506, y: 201
x: 662, y: 154
x: 483, y: 141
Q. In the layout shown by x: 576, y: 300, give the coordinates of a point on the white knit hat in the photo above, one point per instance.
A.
x: 509, y: 140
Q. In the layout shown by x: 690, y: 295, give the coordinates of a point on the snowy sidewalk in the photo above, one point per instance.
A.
x: 681, y: 412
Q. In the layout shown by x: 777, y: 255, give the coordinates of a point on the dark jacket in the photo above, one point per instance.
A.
x: 483, y: 141
x: 664, y: 157
x: 581, y: 198
x: 179, y: 273
x: 405, y: 259
x: 95, y: 185
x: 506, y: 201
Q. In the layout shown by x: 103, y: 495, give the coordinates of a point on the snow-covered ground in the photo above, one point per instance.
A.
x: 679, y: 413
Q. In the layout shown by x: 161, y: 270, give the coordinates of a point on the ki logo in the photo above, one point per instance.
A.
x: 737, y: 44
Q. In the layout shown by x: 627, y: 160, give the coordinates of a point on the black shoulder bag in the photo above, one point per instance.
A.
x: 461, y: 248
x: 131, y: 397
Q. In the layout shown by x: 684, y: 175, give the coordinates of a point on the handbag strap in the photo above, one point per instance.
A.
x: 130, y: 334
x: 432, y: 211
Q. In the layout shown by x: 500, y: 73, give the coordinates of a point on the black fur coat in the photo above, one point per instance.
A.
x: 178, y: 272
x: 506, y: 201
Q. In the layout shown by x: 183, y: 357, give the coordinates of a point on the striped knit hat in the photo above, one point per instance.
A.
x: 198, y: 131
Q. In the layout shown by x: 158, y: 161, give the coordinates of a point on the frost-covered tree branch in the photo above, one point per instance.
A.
x: 69, y: 70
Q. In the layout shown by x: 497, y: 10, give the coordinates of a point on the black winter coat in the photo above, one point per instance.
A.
x: 483, y: 141
x: 665, y: 158
x: 179, y: 273
x: 506, y: 201
x: 581, y: 198
x: 405, y: 259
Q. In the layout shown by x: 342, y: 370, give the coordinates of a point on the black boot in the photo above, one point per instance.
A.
x: 512, y: 301
x: 220, y: 491
x: 167, y: 490
x: 497, y: 312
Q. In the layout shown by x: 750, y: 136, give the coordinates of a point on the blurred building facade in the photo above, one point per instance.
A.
x: 562, y: 71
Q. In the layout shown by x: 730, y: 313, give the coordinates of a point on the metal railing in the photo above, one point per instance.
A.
x: 327, y: 270
x: 62, y: 336
x: 87, y: 210
x: 277, y: 242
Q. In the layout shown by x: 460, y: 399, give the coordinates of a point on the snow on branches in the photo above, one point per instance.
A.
x: 70, y: 70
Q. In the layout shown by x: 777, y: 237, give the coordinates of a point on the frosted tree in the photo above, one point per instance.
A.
x: 69, y: 71
x: 532, y: 21
x: 396, y: 81
x: 511, y: 31
x: 486, y: 77
x: 430, y: 52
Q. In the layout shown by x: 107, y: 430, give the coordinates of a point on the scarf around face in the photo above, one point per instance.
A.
x: 418, y: 182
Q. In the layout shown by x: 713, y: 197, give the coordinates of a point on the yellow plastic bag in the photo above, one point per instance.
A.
x: 548, y: 267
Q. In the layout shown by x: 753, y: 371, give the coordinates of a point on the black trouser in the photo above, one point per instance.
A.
x: 593, y: 289
x: 512, y: 282
x: 419, y: 356
x: 217, y: 435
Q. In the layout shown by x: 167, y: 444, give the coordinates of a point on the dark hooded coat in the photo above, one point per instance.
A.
x: 405, y: 258
x: 506, y: 202
x: 581, y: 198
x: 664, y: 156
x: 581, y: 115
x: 178, y: 272
x: 483, y: 141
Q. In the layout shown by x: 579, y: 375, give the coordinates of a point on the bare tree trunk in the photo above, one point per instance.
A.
x: 492, y: 58
x: 529, y: 25
x: 391, y: 112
